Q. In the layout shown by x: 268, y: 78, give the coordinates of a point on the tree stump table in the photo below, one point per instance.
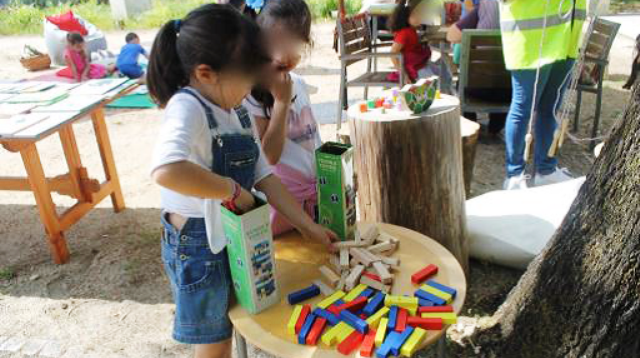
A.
x: 410, y: 172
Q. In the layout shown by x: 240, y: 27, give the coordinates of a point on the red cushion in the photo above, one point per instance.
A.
x: 68, y: 22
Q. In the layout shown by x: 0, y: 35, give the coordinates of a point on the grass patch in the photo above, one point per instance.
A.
x: 7, y: 273
x: 21, y: 19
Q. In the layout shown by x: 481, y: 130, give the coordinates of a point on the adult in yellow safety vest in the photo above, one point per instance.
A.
x: 541, y: 40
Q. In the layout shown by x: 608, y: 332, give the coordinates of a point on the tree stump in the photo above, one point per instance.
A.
x: 470, y: 132
x: 409, y: 170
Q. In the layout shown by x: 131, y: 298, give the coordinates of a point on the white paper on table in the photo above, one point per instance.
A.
x: 11, y: 109
x: 54, y: 120
x: 73, y: 103
x: 39, y: 97
x: 5, y: 96
x: 38, y: 86
x: 95, y: 87
x: 9, y: 126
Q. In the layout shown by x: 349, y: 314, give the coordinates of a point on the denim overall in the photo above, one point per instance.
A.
x: 200, y: 280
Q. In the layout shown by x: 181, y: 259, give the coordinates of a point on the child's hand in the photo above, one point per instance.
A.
x: 321, y: 234
x: 282, y: 87
x: 245, y: 201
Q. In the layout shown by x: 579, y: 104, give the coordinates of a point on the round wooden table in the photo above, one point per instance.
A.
x: 297, y: 262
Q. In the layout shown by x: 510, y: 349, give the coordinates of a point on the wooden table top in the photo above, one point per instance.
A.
x: 297, y: 262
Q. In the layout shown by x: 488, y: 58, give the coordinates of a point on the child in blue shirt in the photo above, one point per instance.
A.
x: 127, y: 62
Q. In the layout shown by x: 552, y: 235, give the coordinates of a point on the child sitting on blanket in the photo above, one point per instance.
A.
x: 127, y: 62
x: 79, y: 66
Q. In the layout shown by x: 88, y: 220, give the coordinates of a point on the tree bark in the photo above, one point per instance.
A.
x: 581, y: 296
x: 410, y: 172
x: 470, y: 133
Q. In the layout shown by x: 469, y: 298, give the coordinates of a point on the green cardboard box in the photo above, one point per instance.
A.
x: 251, y: 257
x: 336, y: 192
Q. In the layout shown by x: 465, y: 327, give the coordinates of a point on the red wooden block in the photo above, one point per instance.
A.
x: 306, y: 309
x: 353, y: 306
x: 372, y: 276
x: 350, y: 343
x: 420, y: 276
x: 433, y: 324
x: 401, y: 320
x: 316, y: 331
x: 363, y: 316
x: 426, y: 309
x: 334, y: 309
x: 368, y: 344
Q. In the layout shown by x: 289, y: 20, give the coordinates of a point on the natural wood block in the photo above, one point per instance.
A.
x: 383, y: 272
x: 344, y: 258
x: 375, y: 284
x: 354, y: 277
x: 331, y: 276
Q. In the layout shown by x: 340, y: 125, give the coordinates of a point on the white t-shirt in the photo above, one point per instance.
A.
x: 185, y: 135
x: 303, y: 135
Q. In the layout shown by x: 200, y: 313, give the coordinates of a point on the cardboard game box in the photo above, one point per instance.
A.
x: 251, y: 257
x: 336, y: 191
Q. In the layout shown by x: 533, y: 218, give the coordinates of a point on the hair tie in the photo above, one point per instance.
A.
x: 176, y: 25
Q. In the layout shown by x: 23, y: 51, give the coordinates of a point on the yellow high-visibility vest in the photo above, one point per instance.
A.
x: 522, y: 23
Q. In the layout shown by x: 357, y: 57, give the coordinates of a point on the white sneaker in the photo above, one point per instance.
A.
x: 558, y: 176
x: 516, y: 183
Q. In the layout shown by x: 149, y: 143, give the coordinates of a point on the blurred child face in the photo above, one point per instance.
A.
x: 286, y: 48
x: 415, y: 19
x: 227, y: 89
x: 136, y: 41
x: 78, y: 47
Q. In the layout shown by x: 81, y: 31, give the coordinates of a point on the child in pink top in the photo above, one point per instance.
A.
x: 79, y: 67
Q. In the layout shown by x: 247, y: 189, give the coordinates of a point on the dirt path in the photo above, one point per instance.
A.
x: 112, y: 299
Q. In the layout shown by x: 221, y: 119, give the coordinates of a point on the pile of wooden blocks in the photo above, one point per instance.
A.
x: 365, y: 260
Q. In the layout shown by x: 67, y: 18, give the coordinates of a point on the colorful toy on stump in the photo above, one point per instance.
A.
x: 419, y: 97
x: 304, y: 294
x: 422, y: 275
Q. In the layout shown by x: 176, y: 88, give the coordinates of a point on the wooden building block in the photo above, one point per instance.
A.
x: 291, y: 326
x: 342, y: 281
x: 434, y: 291
x: 331, y: 276
x: 316, y: 331
x: 354, y: 321
x: 353, y: 306
x: 431, y: 324
x: 401, y: 321
x: 382, y: 271
x: 331, y: 299
x: 430, y: 297
x: 324, y: 288
x: 371, y: 234
x: 442, y: 288
x: 354, y: 277
x: 381, y: 332
x: 374, y: 304
x: 401, y: 301
x: 303, y: 294
x: 375, y: 319
x: 394, y: 262
x: 404, y: 335
x: 330, y: 337
x: 382, y: 247
x: 344, y: 259
x: 344, y: 333
x: 447, y: 317
x: 306, y: 310
x: 371, y: 275
x: 361, y: 256
x: 393, y: 318
x: 351, y: 343
x: 422, y: 275
x: 349, y: 244
x: 334, y: 263
x: 435, y: 309
x: 413, y: 343
x: 354, y: 293
x: 368, y: 344
x: 306, y: 328
x: 365, y: 280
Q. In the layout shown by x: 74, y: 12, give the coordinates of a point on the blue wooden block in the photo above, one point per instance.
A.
x: 399, y: 340
x: 339, y: 302
x: 366, y: 293
x: 393, y: 317
x: 443, y: 288
x: 354, y: 321
x: 304, y: 294
x: 330, y: 317
x: 427, y: 296
x: 306, y: 327
x: 374, y: 304
x: 424, y: 303
x: 385, y: 349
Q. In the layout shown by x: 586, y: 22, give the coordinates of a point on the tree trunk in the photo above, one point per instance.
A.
x: 581, y: 296
x: 410, y: 172
x: 470, y: 134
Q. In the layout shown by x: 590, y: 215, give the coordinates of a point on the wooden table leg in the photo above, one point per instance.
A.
x: 40, y: 188
x: 71, y: 154
x: 104, y: 145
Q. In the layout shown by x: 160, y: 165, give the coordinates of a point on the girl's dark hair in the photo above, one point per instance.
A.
x: 214, y: 35
x: 74, y: 38
x: 400, y: 18
x: 295, y: 16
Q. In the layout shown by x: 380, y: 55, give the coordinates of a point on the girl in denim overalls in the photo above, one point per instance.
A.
x: 200, y: 69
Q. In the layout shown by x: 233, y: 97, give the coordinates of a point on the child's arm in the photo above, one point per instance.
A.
x: 87, y: 65
x: 286, y: 204
x: 190, y: 179
x: 396, y: 48
x: 74, y: 69
x: 274, y: 131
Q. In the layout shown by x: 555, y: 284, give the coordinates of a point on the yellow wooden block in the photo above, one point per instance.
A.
x: 413, y: 342
x: 344, y: 333
x: 400, y: 301
x: 434, y: 291
x: 291, y: 326
x: 331, y: 299
x: 374, y: 320
x: 381, y: 332
x: 331, y: 335
x: 353, y: 294
x: 447, y: 317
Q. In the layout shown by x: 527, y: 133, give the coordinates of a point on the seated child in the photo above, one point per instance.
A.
x: 404, y: 21
x: 127, y: 62
x: 79, y: 66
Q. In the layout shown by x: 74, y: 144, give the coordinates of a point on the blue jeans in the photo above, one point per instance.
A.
x: 551, y: 85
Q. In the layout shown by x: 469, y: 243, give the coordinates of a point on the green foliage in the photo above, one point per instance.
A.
x: 6, y: 273
x: 27, y: 16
